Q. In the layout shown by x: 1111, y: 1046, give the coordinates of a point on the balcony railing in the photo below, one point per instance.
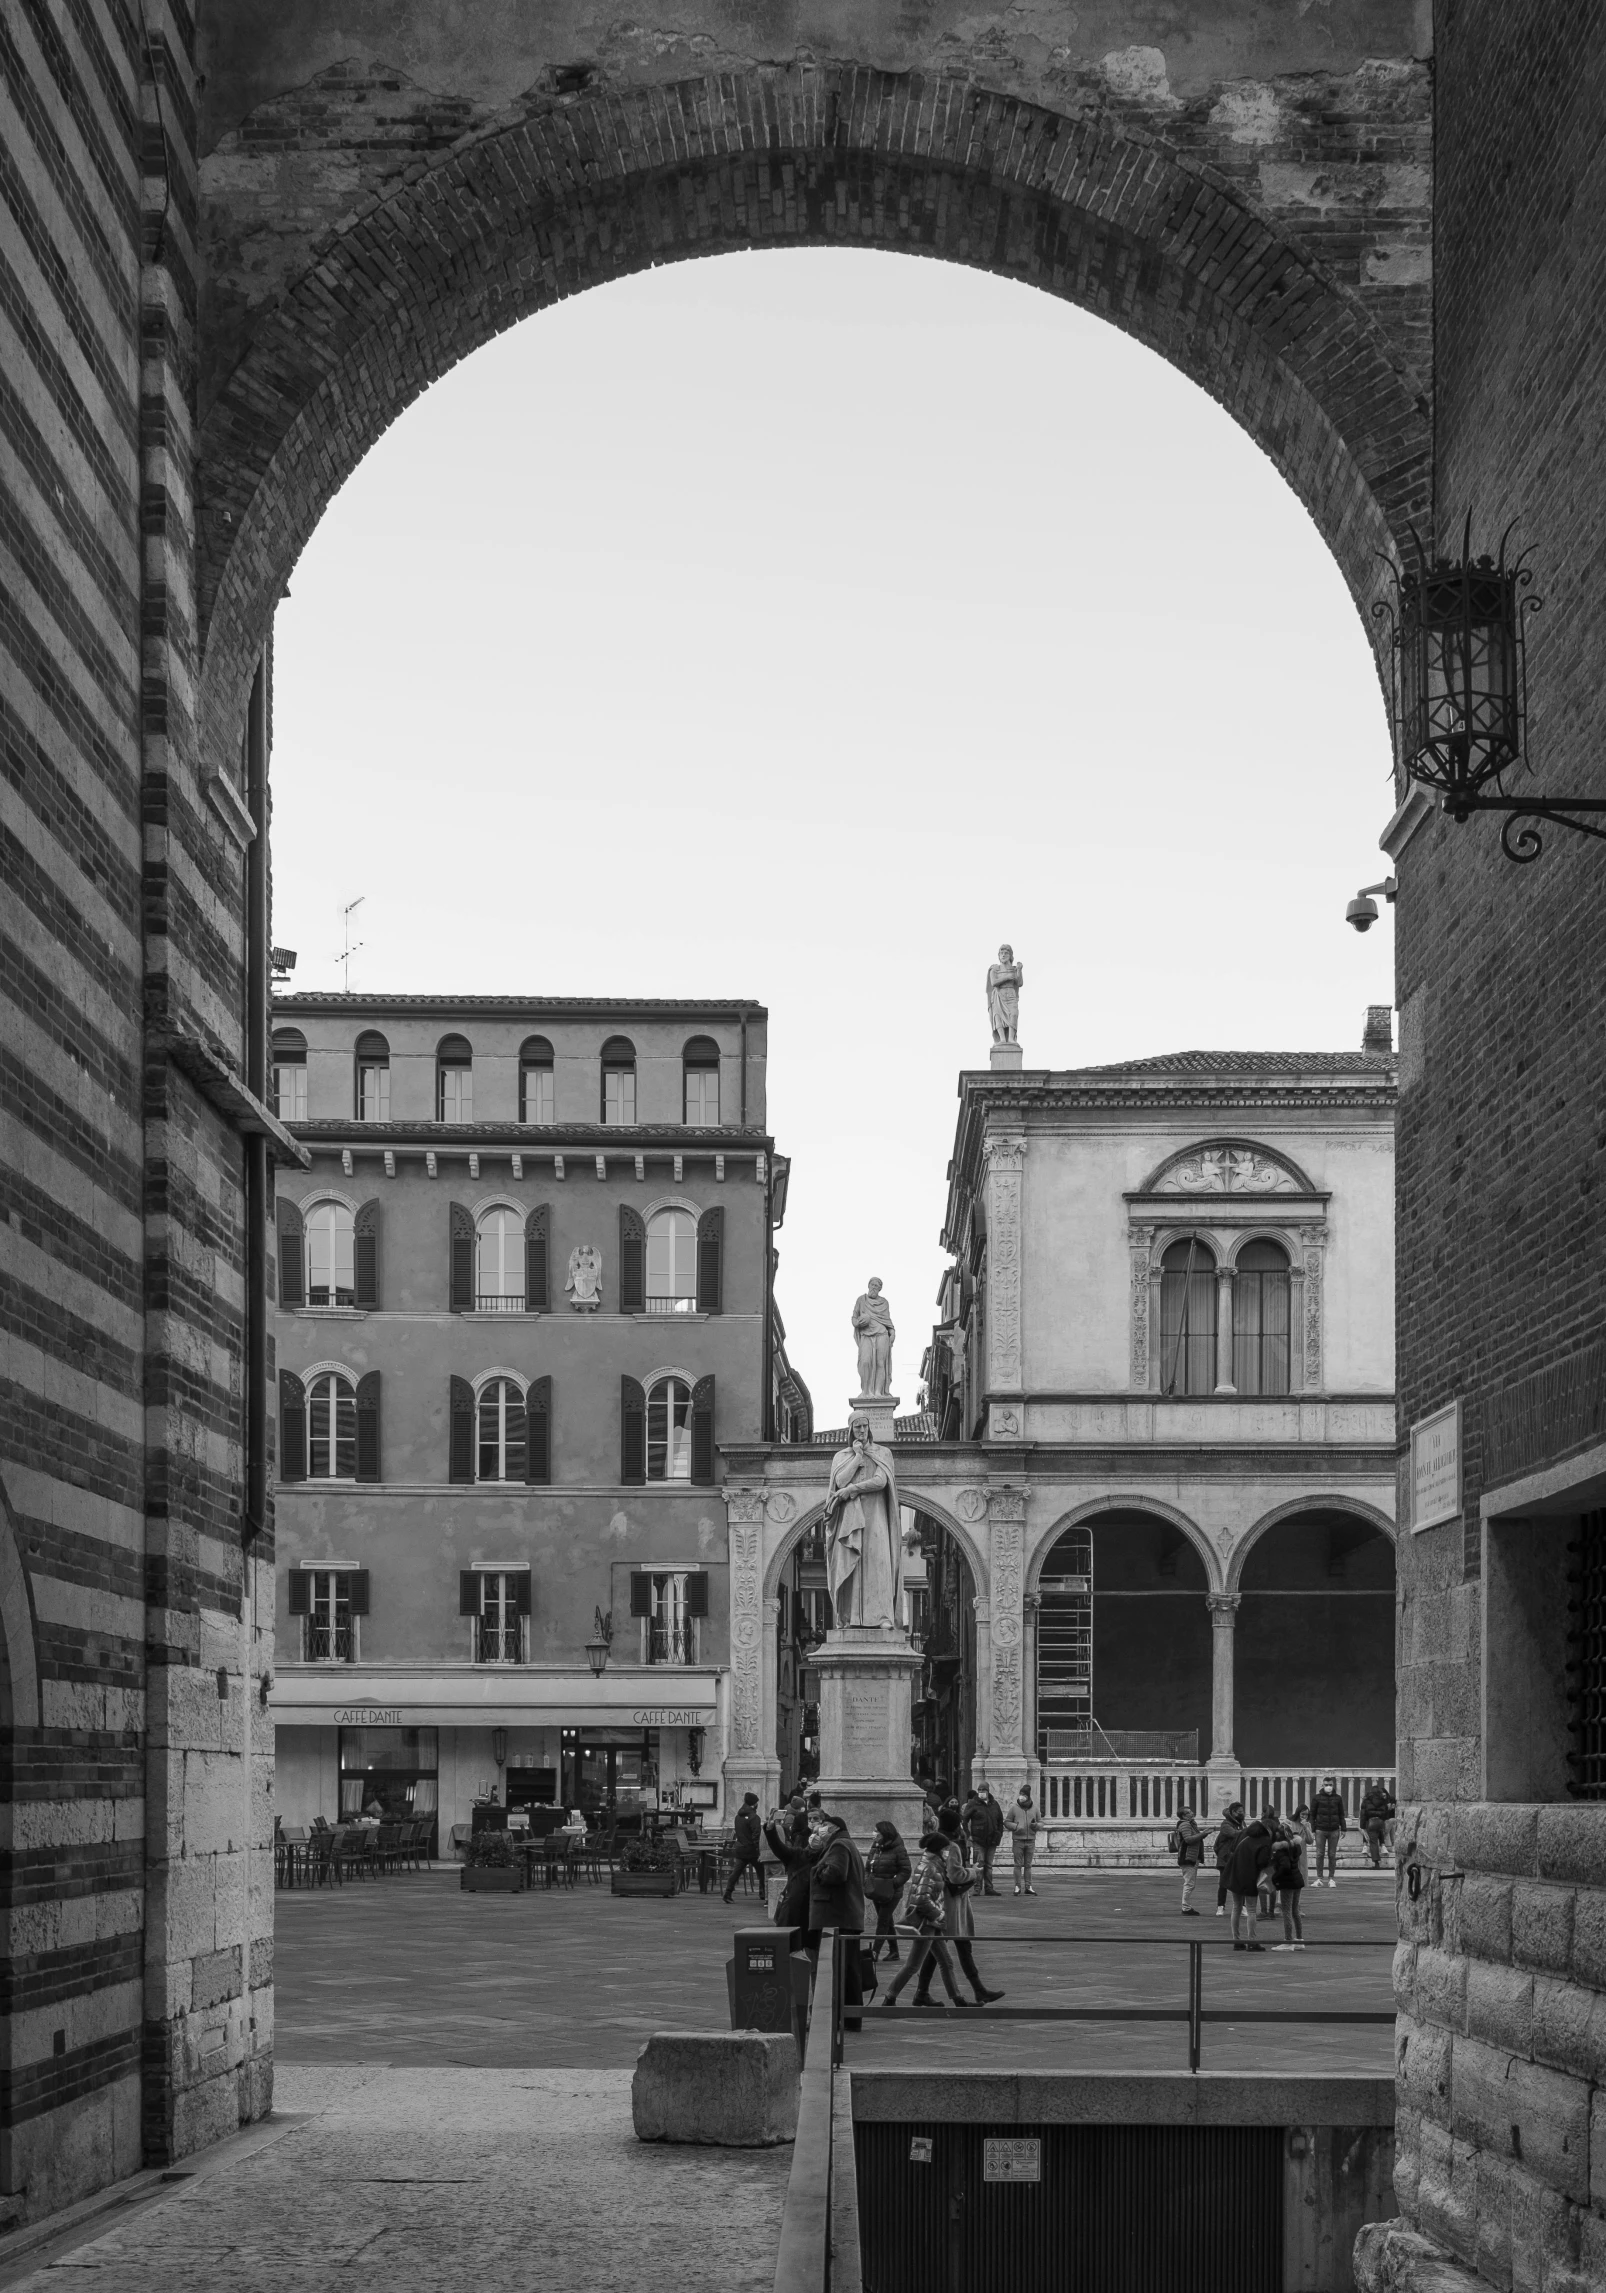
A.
x: 672, y: 1305
x: 499, y: 1301
x: 1121, y: 1791
x: 671, y: 1643
x: 499, y: 1644
x: 330, y: 1643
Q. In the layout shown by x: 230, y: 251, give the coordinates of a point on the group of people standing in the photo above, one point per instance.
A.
x: 1261, y: 1864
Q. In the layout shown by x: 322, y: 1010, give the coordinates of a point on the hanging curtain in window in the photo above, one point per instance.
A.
x: 1187, y: 1319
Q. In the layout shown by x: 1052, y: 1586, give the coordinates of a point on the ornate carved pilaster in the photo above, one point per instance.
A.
x: 1006, y: 1157
x: 1313, y: 1313
x: 749, y: 1760
x: 1006, y: 1636
x: 1141, y: 1243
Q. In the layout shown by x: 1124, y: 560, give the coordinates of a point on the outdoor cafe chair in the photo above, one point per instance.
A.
x: 388, y: 1846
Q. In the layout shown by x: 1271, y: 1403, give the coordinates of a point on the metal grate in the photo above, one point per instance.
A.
x: 1586, y: 1657
x: 1118, y: 2209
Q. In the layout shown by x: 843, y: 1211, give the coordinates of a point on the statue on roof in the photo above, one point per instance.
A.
x: 872, y: 1327
x: 1003, y: 994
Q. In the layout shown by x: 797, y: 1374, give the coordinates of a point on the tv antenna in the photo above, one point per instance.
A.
x: 352, y: 947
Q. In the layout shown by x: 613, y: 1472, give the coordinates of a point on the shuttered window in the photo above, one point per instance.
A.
x: 618, y: 1080
x: 671, y: 1262
x: 538, y: 1432
x: 460, y: 1274
x: 537, y: 1094
x: 460, y: 1456
x: 331, y: 1428
x: 373, y: 1078
x: 700, y: 1072
x: 711, y: 1262
x: 632, y: 1262
x: 292, y: 1255
x: 499, y: 1262
x: 454, y: 1081
x: 537, y: 1261
x: 669, y: 1430
x: 501, y: 1431
x: 632, y: 1432
x: 368, y: 1426
x: 702, y: 1432
x: 292, y: 1427
x: 331, y: 1254
x: 365, y: 1255
x: 290, y: 1075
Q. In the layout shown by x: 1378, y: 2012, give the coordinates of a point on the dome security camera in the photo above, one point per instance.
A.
x: 1362, y: 910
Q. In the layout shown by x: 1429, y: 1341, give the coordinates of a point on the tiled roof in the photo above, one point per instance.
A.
x: 320, y: 999
x: 921, y: 1425
x: 1252, y: 1063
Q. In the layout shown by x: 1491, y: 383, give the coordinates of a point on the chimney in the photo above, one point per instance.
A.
x: 1378, y: 1033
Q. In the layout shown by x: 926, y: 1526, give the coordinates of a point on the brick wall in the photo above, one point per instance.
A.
x: 1502, y: 988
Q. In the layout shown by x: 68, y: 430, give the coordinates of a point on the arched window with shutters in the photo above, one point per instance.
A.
x: 537, y: 1085
x: 667, y: 1429
x: 290, y: 1074
x: 500, y: 1430
x: 454, y: 1080
x: 500, y: 1260
x: 331, y: 1247
x: 373, y: 1078
x: 329, y: 1425
x: 618, y: 1080
x: 700, y: 1081
x: 1261, y: 1318
x: 1188, y: 1318
x: 671, y: 1262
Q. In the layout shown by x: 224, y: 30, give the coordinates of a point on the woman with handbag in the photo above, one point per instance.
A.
x: 923, y: 1910
x: 887, y: 1873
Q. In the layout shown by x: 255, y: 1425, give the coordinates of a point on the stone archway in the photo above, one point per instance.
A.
x: 1094, y: 204
x: 1124, y: 1502
x: 1355, y: 1508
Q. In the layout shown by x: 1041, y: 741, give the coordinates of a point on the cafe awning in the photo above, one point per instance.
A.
x: 487, y: 1696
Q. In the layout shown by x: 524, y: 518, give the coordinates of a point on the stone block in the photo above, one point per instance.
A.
x: 1572, y: 1845
x: 1522, y: 2111
x: 735, y: 2088
x: 1492, y: 1837
x: 1544, y: 2229
x: 214, y: 1978
x: 1440, y: 1988
x: 1500, y: 2006
x: 1426, y: 2059
x: 1589, y: 1937
x: 1484, y: 1917
x: 1390, y: 2257
x: 261, y: 1961
x: 1597, y: 2152
x: 1542, y: 1927
x: 1569, y: 2028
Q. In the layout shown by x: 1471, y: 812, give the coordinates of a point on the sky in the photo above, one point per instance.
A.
x: 799, y: 625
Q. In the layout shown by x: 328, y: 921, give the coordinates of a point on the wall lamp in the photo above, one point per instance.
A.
x: 1362, y: 910
x: 597, y: 1649
x: 1461, y: 691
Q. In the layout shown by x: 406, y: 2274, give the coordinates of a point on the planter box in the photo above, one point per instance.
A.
x: 645, y: 1883
x: 491, y: 1878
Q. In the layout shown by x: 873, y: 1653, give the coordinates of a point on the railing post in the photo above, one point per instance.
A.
x: 838, y: 1980
x: 1195, y: 2002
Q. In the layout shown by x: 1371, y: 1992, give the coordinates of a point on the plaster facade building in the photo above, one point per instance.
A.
x: 525, y: 1293
x: 1158, y: 1466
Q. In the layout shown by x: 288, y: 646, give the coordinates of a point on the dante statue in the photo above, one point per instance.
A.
x: 872, y: 1326
x: 864, y: 1531
x: 1003, y: 994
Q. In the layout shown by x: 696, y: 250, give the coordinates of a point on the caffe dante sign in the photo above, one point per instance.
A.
x: 368, y: 1716
x: 670, y: 1716
x: 1436, y: 1468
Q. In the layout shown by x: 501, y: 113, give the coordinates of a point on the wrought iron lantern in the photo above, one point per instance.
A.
x: 1461, y: 698
x: 597, y: 1649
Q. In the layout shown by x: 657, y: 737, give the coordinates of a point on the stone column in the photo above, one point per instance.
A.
x: 1224, y: 1382
x: 1005, y: 1368
x: 1007, y: 1759
x: 751, y: 1763
x: 1223, y: 1608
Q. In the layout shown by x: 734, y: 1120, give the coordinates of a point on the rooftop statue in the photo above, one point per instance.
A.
x: 1003, y: 994
x: 872, y: 1326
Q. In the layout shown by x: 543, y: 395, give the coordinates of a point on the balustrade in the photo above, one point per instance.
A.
x: 1131, y: 1792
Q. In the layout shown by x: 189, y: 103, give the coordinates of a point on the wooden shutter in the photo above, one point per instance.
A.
x: 632, y: 1432
x: 537, y: 1259
x: 292, y: 1258
x: 640, y: 1593
x: 368, y: 1426
x: 299, y: 1586
x: 697, y: 1592
x: 468, y: 1592
x: 523, y: 1590
x: 461, y: 1464
x: 711, y: 1262
x: 702, y: 1432
x: 367, y: 1255
x: 292, y: 1427
x: 538, y: 1432
x: 359, y: 1591
x: 632, y: 1261
x: 461, y: 1299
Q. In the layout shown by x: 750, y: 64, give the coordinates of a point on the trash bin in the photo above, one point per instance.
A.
x: 761, y: 1977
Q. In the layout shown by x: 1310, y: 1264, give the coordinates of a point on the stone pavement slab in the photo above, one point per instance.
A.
x: 428, y: 2179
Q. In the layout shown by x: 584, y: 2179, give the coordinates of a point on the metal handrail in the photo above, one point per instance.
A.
x: 803, y: 2259
x: 1194, y: 2012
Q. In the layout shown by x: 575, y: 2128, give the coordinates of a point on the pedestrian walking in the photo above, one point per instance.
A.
x: 1288, y: 1878
x: 958, y: 1924
x: 795, y: 1818
x: 924, y: 1911
x: 749, y: 1838
x: 1021, y: 1824
x: 1250, y: 1856
x: 1189, y: 1846
x: 836, y: 1899
x: 886, y: 1873
x: 1228, y: 1833
x: 1329, y: 1822
x: 1377, y: 1812
x: 984, y: 1820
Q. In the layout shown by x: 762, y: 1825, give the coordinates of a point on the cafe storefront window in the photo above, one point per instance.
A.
x: 611, y: 1772
x: 396, y: 1767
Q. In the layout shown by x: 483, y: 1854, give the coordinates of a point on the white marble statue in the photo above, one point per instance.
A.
x: 872, y: 1327
x: 1003, y: 994
x: 584, y: 1285
x: 863, y: 1531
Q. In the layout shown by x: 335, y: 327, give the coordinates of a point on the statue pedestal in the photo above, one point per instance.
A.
x: 882, y: 1411
x: 867, y: 1674
x: 1006, y: 1058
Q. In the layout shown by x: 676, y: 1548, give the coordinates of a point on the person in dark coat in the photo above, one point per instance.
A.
x: 958, y: 1925
x: 836, y: 1899
x: 1329, y: 1822
x: 887, y: 1873
x: 745, y: 1849
x: 1228, y: 1833
x: 1251, y: 1855
x: 1190, y: 1854
x: 794, y: 1818
x: 1288, y: 1878
x: 793, y: 1908
x: 984, y: 1821
x: 1377, y: 1812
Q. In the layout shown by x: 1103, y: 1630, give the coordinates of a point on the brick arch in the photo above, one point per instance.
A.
x: 1093, y: 209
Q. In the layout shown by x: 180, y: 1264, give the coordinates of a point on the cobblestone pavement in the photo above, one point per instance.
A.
x: 427, y: 2179
x: 410, y: 1970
